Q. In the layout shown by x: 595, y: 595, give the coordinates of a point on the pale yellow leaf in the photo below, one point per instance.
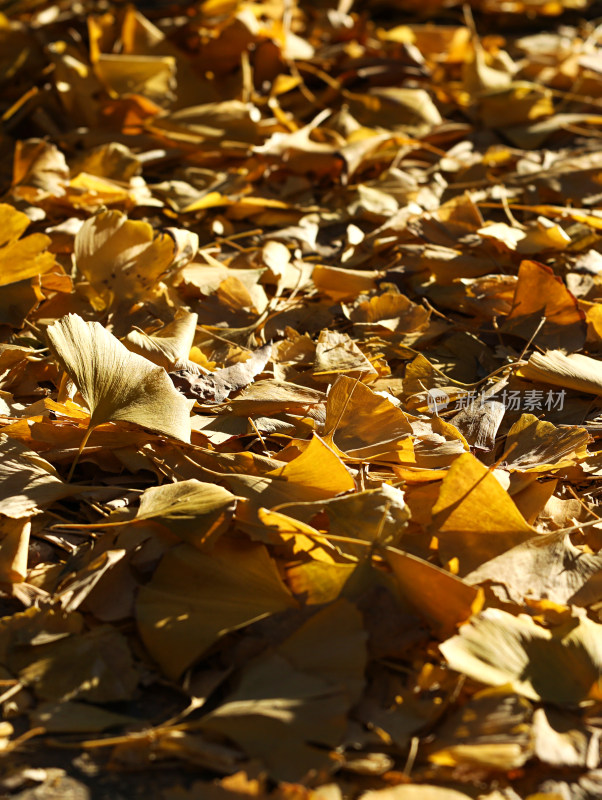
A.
x: 118, y: 385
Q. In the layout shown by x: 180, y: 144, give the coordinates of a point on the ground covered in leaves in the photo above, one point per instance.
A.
x: 300, y: 379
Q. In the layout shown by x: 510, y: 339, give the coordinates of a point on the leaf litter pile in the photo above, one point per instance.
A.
x: 300, y: 380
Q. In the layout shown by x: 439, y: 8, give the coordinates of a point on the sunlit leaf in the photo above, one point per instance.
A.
x: 121, y: 258
x: 424, y: 584
x: 27, y: 481
x: 21, y: 258
x: 117, y: 385
x: 540, y: 297
x: 561, y: 665
x: 168, y: 347
x: 574, y: 371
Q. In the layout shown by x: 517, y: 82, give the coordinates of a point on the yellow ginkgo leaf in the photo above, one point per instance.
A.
x: 28, y: 483
x: 195, y: 511
x: 21, y: 258
x: 474, y: 518
x: 118, y: 386
x: 14, y: 544
x: 168, y: 347
x: 423, y: 585
x: 194, y: 598
x: 122, y: 258
x: 561, y: 665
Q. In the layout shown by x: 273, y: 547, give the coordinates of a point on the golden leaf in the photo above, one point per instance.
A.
x: 21, y: 258
x: 122, y: 259
x: 474, y: 518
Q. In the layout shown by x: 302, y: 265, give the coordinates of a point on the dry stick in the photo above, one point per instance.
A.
x: 585, y: 506
x: 412, y: 754
x: 317, y: 535
x: 14, y: 689
x: 256, y: 429
x: 222, y: 338
x: 507, y: 211
x: 578, y: 527
x: 239, y: 235
x: 542, y: 322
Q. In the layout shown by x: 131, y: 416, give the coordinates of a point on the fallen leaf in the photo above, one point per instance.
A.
x: 14, y: 547
x: 422, y: 791
x: 289, y: 706
x: 536, y: 445
x: 117, y: 385
x: 423, y: 584
x: 574, y: 371
x: 544, y: 567
x: 194, y: 598
x: 541, y: 296
x: 122, y: 259
x: 27, y: 481
x: 361, y: 424
x: 474, y: 518
x: 216, y: 387
x: 170, y: 346
x: 561, y: 665
x: 21, y: 258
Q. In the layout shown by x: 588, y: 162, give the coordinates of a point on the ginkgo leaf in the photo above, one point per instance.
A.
x: 415, y: 792
x: 545, y: 567
x: 392, y: 311
x: 318, y: 468
x: 541, y: 295
x: 267, y: 397
x: 372, y: 515
x: 342, y: 284
x: 536, y: 445
x: 14, y: 545
x: 289, y: 707
x: 73, y: 717
x: 122, y: 259
x: 27, y: 481
x: 561, y: 665
x: 574, y: 371
x: 169, y: 347
x: 21, y: 258
x: 300, y: 536
x: 193, y: 510
x: 337, y: 353
x: 424, y: 584
x: 196, y: 512
x: 194, y: 598
x: 361, y: 423
x: 150, y: 76
x: 96, y: 665
x: 491, y: 731
x: 217, y: 386
x: 118, y: 386
x: 474, y: 518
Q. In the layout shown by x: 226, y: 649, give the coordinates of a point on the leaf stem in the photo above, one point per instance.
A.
x: 79, y: 452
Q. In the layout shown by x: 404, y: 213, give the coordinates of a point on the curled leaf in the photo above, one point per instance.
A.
x: 123, y: 258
